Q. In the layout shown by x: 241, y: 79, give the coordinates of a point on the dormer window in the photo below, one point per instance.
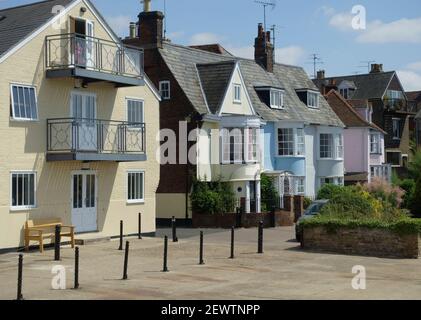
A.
x: 237, y: 93
x: 309, y: 97
x: 276, y: 99
x: 344, y: 93
x: 312, y: 99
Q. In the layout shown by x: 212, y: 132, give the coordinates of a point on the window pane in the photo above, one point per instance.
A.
x: 24, y: 102
x: 14, y: 190
x: 31, y: 190
x: 16, y: 102
x: 286, y: 142
x: 21, y: 102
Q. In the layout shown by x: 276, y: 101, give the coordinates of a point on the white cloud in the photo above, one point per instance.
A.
x: 379, y: 32
x: 411, y: 80
x: 206, y: 38
x: 399, y: 31
x: 416, y: 66
x: 289, y: 55
x: 120, y: 24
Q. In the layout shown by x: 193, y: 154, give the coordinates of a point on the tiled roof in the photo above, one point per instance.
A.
x: 369, y: 86
x: 19, y: 22
x: 347, y: 114
x: 184, y: 63
x: 215, y: 78
x: 414, y: 95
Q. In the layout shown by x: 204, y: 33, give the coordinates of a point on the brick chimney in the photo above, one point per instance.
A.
x: 321, y: 74
x: 263, y: 49
x: 376, y: 68
x: 151, y: 26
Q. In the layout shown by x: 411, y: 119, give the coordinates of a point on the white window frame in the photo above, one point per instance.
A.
x: 332, y: 147
x: 161, y: 84
x: 291, y: 134
x: 12, y: 99
x: 398, y: 122
x: 252, y: 144
x: 344, y: 93
x: 338, y: 181
x: 237, y: 99
x: 375, y: 142
x: 226, y: 134
x: 300, y: 182
x: 136, y: 126
x: 317, y: 99
x: 135, y: 201
x: 23, y: 207
x: 281, y: 99
x: 301, y: 142
x: 339, y: 146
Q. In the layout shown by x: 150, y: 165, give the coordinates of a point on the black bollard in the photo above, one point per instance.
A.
x: 76, y: 284
x: 126, y: 261
x: 260, y: 240
x: 232, y: 242
x: 121, y: 236
x: 57, y: 243
x: 201, y: 261
x: 20, y: 271
x: 165, y: 269
x: 174, y: 229
x: 140, y: 227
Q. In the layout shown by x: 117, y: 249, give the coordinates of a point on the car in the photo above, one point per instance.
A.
x: 312, y: 211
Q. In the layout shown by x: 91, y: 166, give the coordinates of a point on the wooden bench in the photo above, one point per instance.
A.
x: 38, y: 230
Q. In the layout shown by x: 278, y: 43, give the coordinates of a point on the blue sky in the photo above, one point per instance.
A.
x: 392, y: 35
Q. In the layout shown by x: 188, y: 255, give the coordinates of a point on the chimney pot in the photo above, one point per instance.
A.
x: 320, y: 74
x: 376, y: 68
x: 132, y: 30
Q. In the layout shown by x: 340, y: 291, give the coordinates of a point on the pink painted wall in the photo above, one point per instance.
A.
x: 356, y: 149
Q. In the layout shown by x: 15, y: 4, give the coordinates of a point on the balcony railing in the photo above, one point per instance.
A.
x: 73, y: 50
x: 395, y: 104
x: 93, y: 136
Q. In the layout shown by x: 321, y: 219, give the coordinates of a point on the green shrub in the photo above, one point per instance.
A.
x: 307, y: 202
x: 270, y: 196
x: 408, y: 185
x: 328, y: 191
x: 212, y: 197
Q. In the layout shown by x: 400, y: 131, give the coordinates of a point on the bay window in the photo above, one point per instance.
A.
x: 291, y: 142
x: 240, y: 145
x: 326, y: 146
x: 339, y: 146
x: 375, y: 147
x: 252, y: 144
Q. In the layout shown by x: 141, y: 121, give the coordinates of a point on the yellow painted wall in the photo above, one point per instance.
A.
x: 231, y: 107
x: 23, y: 147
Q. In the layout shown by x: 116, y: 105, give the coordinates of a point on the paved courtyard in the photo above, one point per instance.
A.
x: 284, y: 271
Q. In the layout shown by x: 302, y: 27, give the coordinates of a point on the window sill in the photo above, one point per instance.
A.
x: 24, y: 120
x: 21, y: 209
x: 135, y: 202
x: 330, y: 159
x: 293, y: 156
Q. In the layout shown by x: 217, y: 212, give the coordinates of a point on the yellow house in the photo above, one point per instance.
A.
x: 78, y: 123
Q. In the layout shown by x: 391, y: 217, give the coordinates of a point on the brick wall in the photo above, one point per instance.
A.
x: 362, y: 241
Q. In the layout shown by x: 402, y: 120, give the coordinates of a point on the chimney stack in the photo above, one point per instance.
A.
x: 151, y: 27
x: 321, y: 74
x: 263, y: 49
x: 376, y: 68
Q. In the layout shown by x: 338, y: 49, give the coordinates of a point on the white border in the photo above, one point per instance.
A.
x: 138, y: 201
x: 22, y: 208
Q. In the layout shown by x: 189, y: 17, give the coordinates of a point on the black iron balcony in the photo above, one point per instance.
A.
x: 92, y: 60
x: 95, y: 140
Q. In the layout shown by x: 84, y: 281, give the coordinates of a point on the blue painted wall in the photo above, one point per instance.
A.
x: 296, y: 165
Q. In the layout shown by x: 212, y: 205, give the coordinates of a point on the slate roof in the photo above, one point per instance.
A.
x: 347, y: 113
x: 19, y: 22
x: 215, y: 78
x: 186, y: 64
x: 369, y: 86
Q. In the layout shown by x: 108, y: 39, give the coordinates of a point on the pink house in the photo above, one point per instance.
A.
x: 363, y: 140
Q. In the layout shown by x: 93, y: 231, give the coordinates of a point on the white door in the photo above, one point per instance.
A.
x: 84, y: 202
x: 90, y: 45
x: 85, y: 130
